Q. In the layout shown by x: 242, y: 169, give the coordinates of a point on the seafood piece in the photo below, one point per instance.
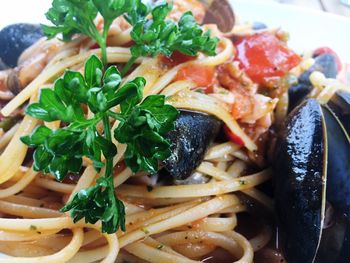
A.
x: 312, y: 181
x: 14, y: 39
x: 219, y: 12
x: 190, y: 140
x: 25, y: 62
x: 326, y: 64
x: 297, y: 93
x: 3, y: 66
x: 340, y: 105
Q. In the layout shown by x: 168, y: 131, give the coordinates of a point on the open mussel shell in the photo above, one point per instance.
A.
x: 312, y: 177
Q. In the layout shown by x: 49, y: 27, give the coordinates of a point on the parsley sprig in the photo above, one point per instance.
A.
x: 143, y: 125
x: 163, y: 36
x: 152, y: 33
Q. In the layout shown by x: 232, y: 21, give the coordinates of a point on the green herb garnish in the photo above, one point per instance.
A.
x: 143, y: 125
x: 151, y: 36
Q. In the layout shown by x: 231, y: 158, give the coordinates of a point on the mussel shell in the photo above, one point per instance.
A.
x: 326, y: 64
x: 335, y: 242
x: 340, y: 105
x: 193, y: 133
x: 3, y: 66
x: 297, y: 94
x: 14, y: 39
x: 338, y: 163
x: 299, y: 178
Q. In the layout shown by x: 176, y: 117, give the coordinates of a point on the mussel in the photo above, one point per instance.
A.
x: 193, y: 133
x: 14, y: 39
x: 312, y: 182
x: 326, y: 64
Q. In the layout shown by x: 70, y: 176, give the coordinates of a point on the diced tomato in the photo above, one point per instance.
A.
x: 264, y: 57
x: 203, y: 76
x: 233, y: 137
x: 175, y: 59
x: 327, y: 50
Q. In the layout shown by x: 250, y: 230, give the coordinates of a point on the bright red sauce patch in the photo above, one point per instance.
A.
x: 264, y: 57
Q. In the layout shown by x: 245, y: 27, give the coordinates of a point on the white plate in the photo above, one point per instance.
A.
x: 308, y: 28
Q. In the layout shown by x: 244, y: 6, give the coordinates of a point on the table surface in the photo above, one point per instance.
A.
x: 332, y: 6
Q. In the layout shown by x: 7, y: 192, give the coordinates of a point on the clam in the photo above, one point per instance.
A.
x: 193, y: 133
x: 312, y: 182
x: 219, y: 12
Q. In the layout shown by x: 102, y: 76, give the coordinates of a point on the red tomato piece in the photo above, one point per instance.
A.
x: 203, y: 76
x: 327, y: 50
x: 264, y: 57
x: 233, y: 137
x: 175, y: 59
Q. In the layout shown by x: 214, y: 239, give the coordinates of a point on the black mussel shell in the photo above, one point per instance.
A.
x: 326, y: 63
x: 338, y: 164
x: 14, y: 39
x: 312, y: 168
x: 193, y: 134
x: 3, y: 66
x: 299, y: 176
x: 297, y: 94
x: 340, y: 105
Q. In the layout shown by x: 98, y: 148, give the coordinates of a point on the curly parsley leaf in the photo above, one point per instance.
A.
x: 70, y: 17
x: 161, y: 36
x: 98, y: 202
x: 144, y: 132
x: 152, y: 36
x: 143, y: 125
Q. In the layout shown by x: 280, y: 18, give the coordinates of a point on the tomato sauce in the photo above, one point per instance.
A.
x: 203, y: 76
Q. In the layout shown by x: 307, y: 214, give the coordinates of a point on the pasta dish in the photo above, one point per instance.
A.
x: 134, y: 132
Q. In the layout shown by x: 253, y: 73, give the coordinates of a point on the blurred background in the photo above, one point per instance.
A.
x: 340, y: 7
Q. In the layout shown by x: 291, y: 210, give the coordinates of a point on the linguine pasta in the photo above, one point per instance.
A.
x: 164, y: 223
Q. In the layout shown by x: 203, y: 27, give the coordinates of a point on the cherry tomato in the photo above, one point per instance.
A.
x: 175, y: 59
x: 233, y: 137
x: 327, y: 50
x: 203, y: 76
x: 264, y: 57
